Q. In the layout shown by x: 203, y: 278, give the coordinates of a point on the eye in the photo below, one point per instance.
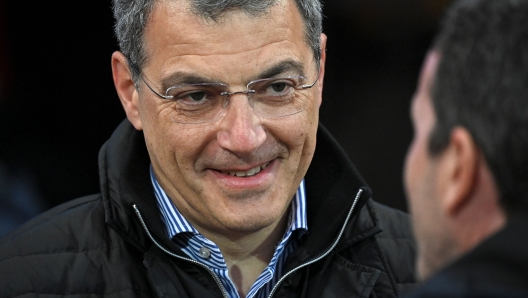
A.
x: 197, y: 96
x: 197, y: 100
x: 279, y: 87
x: 192, y: 95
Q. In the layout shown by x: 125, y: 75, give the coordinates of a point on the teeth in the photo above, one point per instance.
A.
x: 253, y: 171
x: 250, y: 172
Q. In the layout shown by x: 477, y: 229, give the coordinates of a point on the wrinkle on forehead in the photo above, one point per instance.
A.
x: 238, y: 41
x: 224, y: 49
x: 258, y: 61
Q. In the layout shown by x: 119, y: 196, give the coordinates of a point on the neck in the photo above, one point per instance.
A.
x: 482, y: 216
x: 247, y: 254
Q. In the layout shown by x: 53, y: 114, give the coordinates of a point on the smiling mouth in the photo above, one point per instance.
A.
x: 251, y: 172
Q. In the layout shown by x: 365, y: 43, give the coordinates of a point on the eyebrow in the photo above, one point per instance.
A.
x: 182, y: 77
x: 282, y: 67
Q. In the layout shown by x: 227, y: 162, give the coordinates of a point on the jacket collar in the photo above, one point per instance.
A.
x: 124, y: 178
x: 332, y: 182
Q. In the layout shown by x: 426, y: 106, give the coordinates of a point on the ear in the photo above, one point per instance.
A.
x: 322, y: 62
x: 126, y: 90
x: 458, y: 166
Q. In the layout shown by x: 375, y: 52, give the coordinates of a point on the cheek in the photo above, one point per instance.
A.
x: 415, y: 170
x: 409, y: 169
x: 186, y: 144
x: 299, y: 132
x: 302, y: 142
x: 419, y: 178
x: 177, y: 146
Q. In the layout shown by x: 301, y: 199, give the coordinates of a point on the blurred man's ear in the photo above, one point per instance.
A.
x: 126, y: 90
x: 467, y: 191
x: 458, y: 166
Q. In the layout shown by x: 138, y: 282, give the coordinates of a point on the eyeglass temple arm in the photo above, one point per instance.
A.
x: 136, y: 70
x: 311, y: 85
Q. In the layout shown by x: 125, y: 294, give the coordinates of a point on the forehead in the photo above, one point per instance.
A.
x: 176, y: 37
x: 422, y: 103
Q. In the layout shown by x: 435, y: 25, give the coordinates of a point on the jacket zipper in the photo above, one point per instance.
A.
x: 215, y: 277
x: 324, y: 254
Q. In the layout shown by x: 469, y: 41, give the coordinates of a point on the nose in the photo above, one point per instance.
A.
x: 240, y: 130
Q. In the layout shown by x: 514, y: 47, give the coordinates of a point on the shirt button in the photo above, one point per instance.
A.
x: 205, y: 253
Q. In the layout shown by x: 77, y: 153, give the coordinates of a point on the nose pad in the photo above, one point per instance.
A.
x: 228, y: 98
x: 251, y: 102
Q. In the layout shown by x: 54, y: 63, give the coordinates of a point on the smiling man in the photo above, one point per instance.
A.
x: 213, y: 186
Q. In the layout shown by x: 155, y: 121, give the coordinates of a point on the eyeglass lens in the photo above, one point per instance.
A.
x: 270, y: 98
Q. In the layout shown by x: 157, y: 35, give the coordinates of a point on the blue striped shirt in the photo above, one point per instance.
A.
x: 201, y: 249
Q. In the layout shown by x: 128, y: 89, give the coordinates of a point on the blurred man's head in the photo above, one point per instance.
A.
x: 467, y: 166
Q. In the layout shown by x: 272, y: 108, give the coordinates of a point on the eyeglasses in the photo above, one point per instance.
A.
x: 206, y: 102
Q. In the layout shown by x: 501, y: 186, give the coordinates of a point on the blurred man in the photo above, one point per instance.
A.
x: 213, y: 187
x: 467, y: 169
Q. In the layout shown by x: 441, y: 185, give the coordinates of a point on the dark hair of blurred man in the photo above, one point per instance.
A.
x: 467, y: 169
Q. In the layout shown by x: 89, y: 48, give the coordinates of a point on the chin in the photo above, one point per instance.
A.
x: 250, y: 223
x: 421, y: 269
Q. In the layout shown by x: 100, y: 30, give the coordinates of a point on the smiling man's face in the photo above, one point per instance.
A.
x: 195, y: 163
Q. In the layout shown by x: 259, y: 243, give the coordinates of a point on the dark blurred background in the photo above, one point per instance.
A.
x: 58, y: 104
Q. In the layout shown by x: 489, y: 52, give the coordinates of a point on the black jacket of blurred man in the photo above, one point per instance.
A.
x: 467, y: 168
x: 214, y: 187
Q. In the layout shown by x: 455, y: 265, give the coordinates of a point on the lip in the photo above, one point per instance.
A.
x: 258, y: 180
x: 246, y: 173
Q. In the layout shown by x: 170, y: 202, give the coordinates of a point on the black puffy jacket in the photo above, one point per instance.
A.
x: 496, y: 268
x: 114, y: 244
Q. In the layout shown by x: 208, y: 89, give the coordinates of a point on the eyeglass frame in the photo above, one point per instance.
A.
x: 226, y: 94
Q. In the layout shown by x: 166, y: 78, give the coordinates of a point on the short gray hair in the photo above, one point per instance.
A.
x: 132, y: 15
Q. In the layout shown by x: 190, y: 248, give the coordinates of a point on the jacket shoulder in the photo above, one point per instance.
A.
x: 68, y: 250
x: 395, y: 223
x: 52, y: 229
x: 396, y: 241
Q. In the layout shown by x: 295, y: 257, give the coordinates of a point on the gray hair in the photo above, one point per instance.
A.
x: 132, y: 15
